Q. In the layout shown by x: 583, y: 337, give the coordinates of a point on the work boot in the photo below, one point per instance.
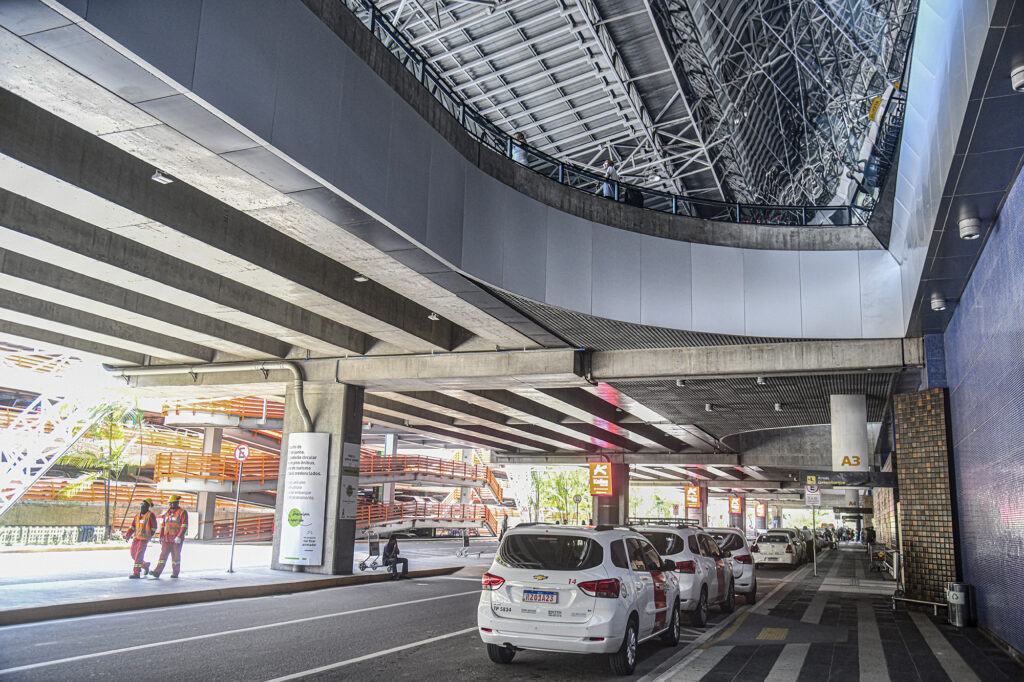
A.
x: 133, y: 576
x: 145, y: 569
x: 154, y: 576
x: 174, y: 575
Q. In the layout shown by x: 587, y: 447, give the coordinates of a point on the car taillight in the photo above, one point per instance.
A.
x: 742, y: 558
x: 609, y: 587
x: 789, y: 549
x: 491, y: 582
x: 755, y: 548
x: 686, y: 567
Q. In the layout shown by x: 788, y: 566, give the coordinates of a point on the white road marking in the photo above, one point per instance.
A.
x: 253, y: 628
x: 788, y: 664
x: 367, y: 657
x: 696, y: 665
x: 949, y: 659
x: 871, y: 656
x: 456, y: 577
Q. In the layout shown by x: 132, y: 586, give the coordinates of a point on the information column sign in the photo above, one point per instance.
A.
x: 759, y: 510
x: 304, y: 498
x: 735, y: 505
x: 600, y: 478
x: 692, y: 497
x: 349, y: 481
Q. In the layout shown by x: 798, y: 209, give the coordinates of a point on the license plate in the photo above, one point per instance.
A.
x: 535, y: 595
x: 773, y: 558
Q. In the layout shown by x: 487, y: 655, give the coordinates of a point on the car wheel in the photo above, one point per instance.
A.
x: 729, y: 603
x: 751, y: 596
x: 500, y: 654
x: 623, y: 661
x: 671, y: 636
x: 699, y: 616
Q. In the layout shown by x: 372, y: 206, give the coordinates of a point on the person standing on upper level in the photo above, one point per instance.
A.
x: 519, y: 149
x: 173, y: 526
x: 143, y: 528
x: 611, y: 177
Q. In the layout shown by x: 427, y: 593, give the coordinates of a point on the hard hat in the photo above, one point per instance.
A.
x: 148, y: 501
x: 174, y: 498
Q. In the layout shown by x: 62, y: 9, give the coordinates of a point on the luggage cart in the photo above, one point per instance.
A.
x: 464, y: 551
x: 373, y: 552
x: 877, y: 554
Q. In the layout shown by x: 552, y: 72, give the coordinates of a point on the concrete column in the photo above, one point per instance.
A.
x: 850, y: 433
x: 387, y: 493
x: 207, y: 502
x: 465, y: 495
x: 777, y: 517
x: 704, y: 499
x: 336, y: 409
x: 614, y: 508
x: 761, y: 522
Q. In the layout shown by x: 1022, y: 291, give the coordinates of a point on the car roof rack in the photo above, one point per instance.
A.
x: 672, y: 523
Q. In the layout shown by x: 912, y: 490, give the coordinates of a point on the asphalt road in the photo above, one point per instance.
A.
x: 409, y: 630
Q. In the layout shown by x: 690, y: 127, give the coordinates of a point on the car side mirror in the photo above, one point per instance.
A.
x: 668, y: 565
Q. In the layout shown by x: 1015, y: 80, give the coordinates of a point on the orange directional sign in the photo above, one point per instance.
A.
x: 692, y: 497
x: 759, y: 510
x: 600, y: 478
x: 735, y: 505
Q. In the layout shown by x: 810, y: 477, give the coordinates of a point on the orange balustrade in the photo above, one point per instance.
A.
x: 40, y: 363
x: 249, y: 528
x: 120, y: 494
x: 245, y: 408
x: 209, y: 465
x: 369, y: 515
x: 371, y: 465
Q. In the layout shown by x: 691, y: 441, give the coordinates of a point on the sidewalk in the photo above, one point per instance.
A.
x: 838, y: 626
x: 63, y: 584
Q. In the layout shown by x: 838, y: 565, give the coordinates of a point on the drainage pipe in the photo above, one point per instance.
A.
x: 263, y: 366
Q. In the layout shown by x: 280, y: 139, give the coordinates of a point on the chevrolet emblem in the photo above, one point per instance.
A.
x: 540, y: 577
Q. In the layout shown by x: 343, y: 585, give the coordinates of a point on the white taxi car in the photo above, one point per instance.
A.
x: 774, y: 547
x: 600, y: 590
x: 705, y: 570
x: 734, y: 541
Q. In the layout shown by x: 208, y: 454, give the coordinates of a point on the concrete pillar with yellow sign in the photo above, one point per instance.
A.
x: 738, y: 512
x: 760, y: 515
x: 609, y: 486
x: 850, y: 433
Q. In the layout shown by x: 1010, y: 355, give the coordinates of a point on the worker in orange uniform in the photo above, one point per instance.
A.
x: 173, y: 526
x: 143, y: 528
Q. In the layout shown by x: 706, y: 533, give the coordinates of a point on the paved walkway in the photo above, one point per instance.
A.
x: 43, y: 579
x: 838, y: 626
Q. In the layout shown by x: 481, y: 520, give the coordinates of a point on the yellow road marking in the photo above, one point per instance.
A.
x: 728, y: 632
x: 773, y: 634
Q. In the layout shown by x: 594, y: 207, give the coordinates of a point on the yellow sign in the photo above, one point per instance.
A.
x: 812, y: 480
x: 600, y: 478
x: 692, y: 497
x: 875, y: 103
x: 735, y: 505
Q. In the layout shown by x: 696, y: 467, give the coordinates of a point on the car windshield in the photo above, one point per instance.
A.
x: 550, y: 552
x: 665, y: 543
x: 730, y: 542
x: 773, y: 538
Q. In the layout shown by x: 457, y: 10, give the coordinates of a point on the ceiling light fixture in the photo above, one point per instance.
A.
x: 161, y: 178
x: 1017, y: 78
x: 361, y: 278
x: 970, y: 228
x: 708, y: 407
x: 681, y: 383
x: 433, y: 317
x: 778, y: 407
x: 761, y: 381
x: 938, y: 303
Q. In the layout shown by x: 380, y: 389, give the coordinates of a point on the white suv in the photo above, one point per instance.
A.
x: 705, y: 570
x: 599, y: 590
x: 734, y: 541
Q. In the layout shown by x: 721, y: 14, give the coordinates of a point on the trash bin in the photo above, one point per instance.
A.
x: 956, y: 601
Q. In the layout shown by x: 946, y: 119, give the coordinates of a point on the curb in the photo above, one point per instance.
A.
x: 37, y: 550
x: 35, y: 614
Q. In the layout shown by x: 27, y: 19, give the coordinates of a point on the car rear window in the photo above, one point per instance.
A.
x: 730, y: 542
x: 773, y: 538
x: 665, y: 543
x: 550, y: 552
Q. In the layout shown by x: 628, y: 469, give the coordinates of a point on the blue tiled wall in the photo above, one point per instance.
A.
x: 984, y: 346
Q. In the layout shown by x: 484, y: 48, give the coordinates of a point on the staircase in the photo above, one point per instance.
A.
x: 37, y: 437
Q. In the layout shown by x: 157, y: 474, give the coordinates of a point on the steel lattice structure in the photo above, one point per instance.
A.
x: 756, y: 101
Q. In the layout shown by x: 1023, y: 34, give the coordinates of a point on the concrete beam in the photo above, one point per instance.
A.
x: 798, y: 447
x: 31, y: 311
x: 436, y: 432
x: 72, y: 344
x: 44, y: 141
x: 44, y: 232
x: 109, y: 300
x: 522, y: 404
x: 652, y: 459
x: 779, y: 359
x: 732, y: 485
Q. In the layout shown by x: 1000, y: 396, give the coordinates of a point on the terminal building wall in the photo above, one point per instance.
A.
x: 984, y: 346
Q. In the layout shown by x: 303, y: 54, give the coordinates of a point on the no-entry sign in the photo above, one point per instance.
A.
x: 241, y: 452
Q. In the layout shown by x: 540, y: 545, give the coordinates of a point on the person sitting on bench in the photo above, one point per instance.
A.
x: 392, y: 559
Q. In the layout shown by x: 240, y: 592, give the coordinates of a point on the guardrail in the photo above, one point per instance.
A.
x: 251, y: 528
x: 373, y: 465
x: 214, y: 465
x: 372, y: 515
x: 579, y: 177
x: 243, y: 408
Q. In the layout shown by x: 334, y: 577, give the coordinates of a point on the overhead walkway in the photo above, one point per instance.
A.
x: 258, y: 414
x: 421, y: 515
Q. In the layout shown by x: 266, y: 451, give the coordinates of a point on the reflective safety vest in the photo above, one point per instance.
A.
x: 144, y: 526
x: 174, y: 523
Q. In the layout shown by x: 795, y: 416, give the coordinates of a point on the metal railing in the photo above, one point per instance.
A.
x: 379, y: 466
x: 377, y: 515
x: 252, y: 528
x: 260, y: 468
x: 244, y: 408
x: 579, y: 177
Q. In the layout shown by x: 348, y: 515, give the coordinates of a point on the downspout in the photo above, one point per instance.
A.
x: 263, y: 366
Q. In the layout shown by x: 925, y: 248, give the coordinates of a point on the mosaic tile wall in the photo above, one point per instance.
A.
x: 984, y: 346
x: 884, y: 518
x: 922, y: 466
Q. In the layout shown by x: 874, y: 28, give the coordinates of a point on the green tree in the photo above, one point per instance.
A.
x: 557, y: 490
